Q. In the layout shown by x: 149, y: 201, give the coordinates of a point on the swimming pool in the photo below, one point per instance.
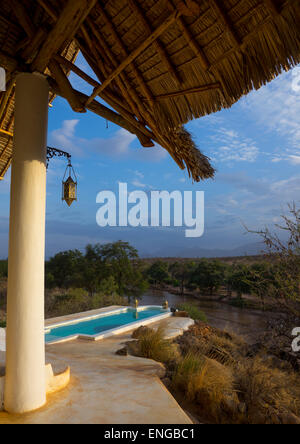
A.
x: 105, y: 324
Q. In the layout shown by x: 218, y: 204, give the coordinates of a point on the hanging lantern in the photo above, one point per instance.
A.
x: 69, y: 186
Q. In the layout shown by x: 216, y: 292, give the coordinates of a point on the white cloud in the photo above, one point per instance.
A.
x: 138, y: 184
x: 276, y: 107
x: 230, y: 146
x: 295, y: 160
x: 118, y: 146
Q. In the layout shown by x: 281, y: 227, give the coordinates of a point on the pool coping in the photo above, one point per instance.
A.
x: 107, y: 333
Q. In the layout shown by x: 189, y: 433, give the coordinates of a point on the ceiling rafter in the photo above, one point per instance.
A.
x: 159, y: 46
x: 271, y: 5
x: 23, y: 18
x: 103, y: 111
x: 65, y: 86
x: 122, y: 82
x: 144, y: 87
x: 68, y: 23
x: 159, y: 30
x: 226, y: 22
x: 198, y: 89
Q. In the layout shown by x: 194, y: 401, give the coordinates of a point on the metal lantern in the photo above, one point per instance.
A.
x: 69, y: 186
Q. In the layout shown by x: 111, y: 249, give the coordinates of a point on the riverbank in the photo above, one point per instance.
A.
x: 220, y: 379
x: 246, y: 301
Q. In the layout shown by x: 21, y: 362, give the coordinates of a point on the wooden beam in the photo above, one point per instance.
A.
x: 226, y: 22
x: 7, y: 133
x: 143, y: 85
x: 193, y: 44
x: 160, y: 30
x: 198, y: 89
x: 23, y: 18
x: 272, y: 7
x: 68, y: 23
x: 66, y: 87
x: 108, y: 65
x: 106, y: 113
x: 48, y: 8
x: 159, y: 47
x: 116, y: 102
x: 71, y: 67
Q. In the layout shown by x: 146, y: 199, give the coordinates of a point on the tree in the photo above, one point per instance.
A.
x: 209, y: 275
x: 122, y: 262
x: 93, y: 269
x: 238, y: 280
x: 158, y: 272
x: 63, y: 270
x: 284, y: 255
x: 182, y: 271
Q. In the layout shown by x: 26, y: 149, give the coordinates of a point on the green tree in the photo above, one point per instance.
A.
x: 239, y: 280
x: 209, y: 275
x: 122, y: 262
x: 182, y: 271
x: 158, y: 273
x: 283, y: 252
x: 65, y: 268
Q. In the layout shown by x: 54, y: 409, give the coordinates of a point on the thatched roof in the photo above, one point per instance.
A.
x: 159, y: 63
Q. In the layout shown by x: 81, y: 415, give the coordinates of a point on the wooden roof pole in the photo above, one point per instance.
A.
x: 68, y: 23
x: 203, y: 88
x: 159, y: 47
x: 272, y: 7
x: 105, y: 112
x: 23, y: 18
x: 113, y: 101
x: 128, y: 92
x: 160, y: 30
x: 70, y: 66
x: 7, y: 133
x: 124, y: 83
x: 140, y: 79
x: 65, y: 86
x: 50, y: 11
x: 226, y: 22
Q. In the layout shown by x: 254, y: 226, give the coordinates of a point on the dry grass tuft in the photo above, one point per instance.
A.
x: 269, y: 393
x: 152, y: 345
x: 207, y: 383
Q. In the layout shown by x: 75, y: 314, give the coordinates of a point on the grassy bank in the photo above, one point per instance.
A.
x: 220, y: 379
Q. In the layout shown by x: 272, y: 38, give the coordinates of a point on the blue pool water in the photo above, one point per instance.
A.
x: 103, y: 323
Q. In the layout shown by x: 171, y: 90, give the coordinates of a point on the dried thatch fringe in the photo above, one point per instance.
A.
x: 185, y: 150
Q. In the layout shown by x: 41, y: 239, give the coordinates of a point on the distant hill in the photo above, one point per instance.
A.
x: 251, y: 250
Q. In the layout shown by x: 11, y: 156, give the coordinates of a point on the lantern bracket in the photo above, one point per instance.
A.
x: 54, y: 152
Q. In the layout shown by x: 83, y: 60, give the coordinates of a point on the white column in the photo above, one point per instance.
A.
x: 25, y: 349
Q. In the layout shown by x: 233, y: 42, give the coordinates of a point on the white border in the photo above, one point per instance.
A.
x: 107, y: 333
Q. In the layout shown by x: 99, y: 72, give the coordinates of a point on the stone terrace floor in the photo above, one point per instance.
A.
x: 106, y: 388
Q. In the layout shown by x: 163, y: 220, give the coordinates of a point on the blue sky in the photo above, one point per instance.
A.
x: 255, y: 147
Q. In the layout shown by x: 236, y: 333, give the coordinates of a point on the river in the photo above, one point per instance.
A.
x: 248, y: 323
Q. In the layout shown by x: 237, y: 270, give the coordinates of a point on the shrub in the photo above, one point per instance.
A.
x: 193, y: 312
x: 268, y: 392
x: 152, y: 345
x: 205, y: 382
